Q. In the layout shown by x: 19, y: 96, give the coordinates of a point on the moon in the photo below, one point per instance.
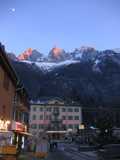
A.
x: 12, y: 9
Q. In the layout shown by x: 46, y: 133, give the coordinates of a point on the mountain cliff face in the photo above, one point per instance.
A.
x: 58, y: 54
x: 88, y: 76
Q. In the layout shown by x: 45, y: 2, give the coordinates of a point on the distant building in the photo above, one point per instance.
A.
x: 14, y: 106
x: 54, y: 115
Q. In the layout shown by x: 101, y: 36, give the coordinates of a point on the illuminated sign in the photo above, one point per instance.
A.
x: 17, y: 126
x: 4, y: 125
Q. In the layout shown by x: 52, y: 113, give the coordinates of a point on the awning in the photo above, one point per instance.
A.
x: 26, y: 133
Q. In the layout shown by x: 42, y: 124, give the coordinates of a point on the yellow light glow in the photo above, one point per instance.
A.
x: 81, y: 126
x: 4, y: 124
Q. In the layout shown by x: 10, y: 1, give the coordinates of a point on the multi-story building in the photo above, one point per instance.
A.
x: 54, y: 115
x: 14, y: 106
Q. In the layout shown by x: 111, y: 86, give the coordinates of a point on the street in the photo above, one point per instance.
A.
x: 71, y: 151
x: 67, y: 151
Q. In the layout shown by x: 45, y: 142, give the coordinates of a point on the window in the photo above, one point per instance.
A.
x: 6, y: 81
x: 34, y: 109
x: 50, y: 109
x: 76, y: 117
x: 70, y: 110
x: 41, y: 109
x: 41, y: 117
x: 76, y: 126
x: 70, y: 126
x: 63, y: 109
x: 33, y: 126
x: 34, y: 117
x: 47, y: 117
x: 41, y: 126
x: 47, y: 109
x: 70, y: 117
x: 64, y: 117
x: 76, y: 109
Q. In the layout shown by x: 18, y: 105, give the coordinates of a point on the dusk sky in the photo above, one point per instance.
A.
x: 68, y: 24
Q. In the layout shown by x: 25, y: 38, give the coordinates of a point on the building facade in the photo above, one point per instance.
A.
x: 7, y: 87
x: 14, y: 106
x: 54, y: 115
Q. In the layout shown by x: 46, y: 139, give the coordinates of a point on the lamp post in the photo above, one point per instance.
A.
x: 81, y: 128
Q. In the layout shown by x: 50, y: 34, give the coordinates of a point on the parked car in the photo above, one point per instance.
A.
x: 109, y: 151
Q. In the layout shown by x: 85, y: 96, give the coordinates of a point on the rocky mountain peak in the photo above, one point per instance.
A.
x: 57, y: 54
x: 87, y: 49
x: 25, y: 54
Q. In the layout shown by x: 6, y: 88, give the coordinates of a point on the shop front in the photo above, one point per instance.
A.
x: 20, y: 135
x: 7, y: 149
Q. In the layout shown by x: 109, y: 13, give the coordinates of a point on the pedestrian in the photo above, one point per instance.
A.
x: 55, y: 144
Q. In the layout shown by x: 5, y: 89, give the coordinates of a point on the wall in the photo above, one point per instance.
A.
x: 6, y: 97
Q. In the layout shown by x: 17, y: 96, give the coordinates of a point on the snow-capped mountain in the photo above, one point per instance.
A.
x: 57, y: 54
x: 49, y: 66
x: 31, y: 55
x: 89, y: 76
x: 84, y: 53
x: 57, y: 57
x: 117, y: 50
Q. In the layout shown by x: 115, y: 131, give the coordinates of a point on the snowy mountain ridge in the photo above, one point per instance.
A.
x: 49, y: 66
x: 58, y: 57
